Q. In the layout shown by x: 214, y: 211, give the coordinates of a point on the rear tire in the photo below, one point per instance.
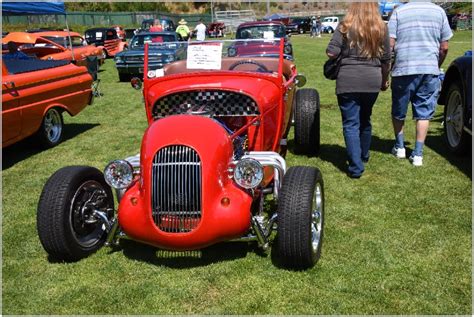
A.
x: 307, y: 122
x: 50, y: 133
x: 457, y: 139
x: 300, y: 218
x: 67, y: 227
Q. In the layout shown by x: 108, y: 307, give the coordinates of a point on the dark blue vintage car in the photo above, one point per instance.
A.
x: 456, y: 95
x: 164, y: 48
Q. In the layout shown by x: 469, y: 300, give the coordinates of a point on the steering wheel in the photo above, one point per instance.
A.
x: 261, y: 67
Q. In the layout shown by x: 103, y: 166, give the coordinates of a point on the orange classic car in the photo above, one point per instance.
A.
x: 55, y: 45
x: 35, y: 93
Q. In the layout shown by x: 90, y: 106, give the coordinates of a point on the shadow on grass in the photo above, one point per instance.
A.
x: 463, y: 162
x: 221, y: 252
x: 28, y: 147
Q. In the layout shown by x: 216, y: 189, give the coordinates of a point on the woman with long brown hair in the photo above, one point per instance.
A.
x: 362, y: 39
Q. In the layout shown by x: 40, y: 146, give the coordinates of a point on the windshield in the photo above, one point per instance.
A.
x: 140, y: 40
x: 261, y: 32
x: 328, y: 20
x: 260, y: 56
x: 297, y: 20
x: 63, y: 41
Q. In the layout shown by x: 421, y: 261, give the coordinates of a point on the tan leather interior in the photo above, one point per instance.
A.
x: 270, y: 63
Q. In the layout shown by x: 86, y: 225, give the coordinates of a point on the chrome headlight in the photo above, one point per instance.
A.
x: 248, y: 173
x: 119, y: 174
x: 118, y: 59
x: 170, y: 57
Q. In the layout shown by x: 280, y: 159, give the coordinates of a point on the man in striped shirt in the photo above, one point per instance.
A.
x: 419, y: 34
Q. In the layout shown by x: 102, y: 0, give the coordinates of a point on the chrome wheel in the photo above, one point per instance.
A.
x: 454, y: 118
x: 317, y: 215
x: 53, y: 126
x: 87, y: 227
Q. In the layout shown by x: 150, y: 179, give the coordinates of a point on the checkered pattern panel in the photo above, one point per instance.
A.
x: 216, y: 103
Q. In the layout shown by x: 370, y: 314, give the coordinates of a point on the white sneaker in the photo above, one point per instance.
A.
x: 399, y: 152
x: 416, y: 160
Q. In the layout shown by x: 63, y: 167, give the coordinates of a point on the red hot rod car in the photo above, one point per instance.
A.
x: 214, y: 149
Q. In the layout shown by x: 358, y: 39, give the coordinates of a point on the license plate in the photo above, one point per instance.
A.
x: 140, y: 70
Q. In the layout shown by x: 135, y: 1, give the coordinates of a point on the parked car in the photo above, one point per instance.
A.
x: 456, y: 96
x: 265, y: 30
x: 55, y: 45
x: 106, y: 38
x: 130, y: 63
x: 35, y: 94
x: 211, y: 159
x: 166, y: 23
x: 329, y: 24
x: 299, y: 25
x: 216, y: 29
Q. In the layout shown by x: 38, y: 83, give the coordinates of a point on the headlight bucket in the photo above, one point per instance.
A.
x: 248, y: 173
x: 119, y: 174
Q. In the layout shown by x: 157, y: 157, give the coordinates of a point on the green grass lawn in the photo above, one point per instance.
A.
x: 397, y: 241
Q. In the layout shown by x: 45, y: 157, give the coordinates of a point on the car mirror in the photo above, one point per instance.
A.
x: 136, y: 83
x: 300, y: 80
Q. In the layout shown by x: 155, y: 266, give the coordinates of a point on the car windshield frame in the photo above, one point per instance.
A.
x: 64, y: 41
x: 141, y: 38
x: 258, y: 31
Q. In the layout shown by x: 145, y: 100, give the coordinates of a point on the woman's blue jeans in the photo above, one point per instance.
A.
x: 356, y: 109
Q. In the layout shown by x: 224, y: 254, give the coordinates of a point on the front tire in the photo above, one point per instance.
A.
x: 68, y: 227
x: 51, y: 130
x: 456, y: 138
x: 307, y: 122
x: 300, y: 218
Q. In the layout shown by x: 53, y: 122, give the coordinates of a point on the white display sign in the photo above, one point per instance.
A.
x: 204, y: 56
x: 98, y: 34
x: 268, y: 35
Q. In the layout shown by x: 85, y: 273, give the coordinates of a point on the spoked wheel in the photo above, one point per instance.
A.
x: 51, y: 130
x: 301, y: 218
x: 456, y: 138
x: 74, y: 211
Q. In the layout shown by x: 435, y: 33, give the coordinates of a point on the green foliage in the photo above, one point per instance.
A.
x: 397, y: 241
x: 461, y: 7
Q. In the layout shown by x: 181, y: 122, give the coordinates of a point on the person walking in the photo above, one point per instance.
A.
x: 183, y: 29
x: 318, y: 26
x: 419, y: 34
x: 200, y: 31
x: 363, y: 72
x: 314, y: 27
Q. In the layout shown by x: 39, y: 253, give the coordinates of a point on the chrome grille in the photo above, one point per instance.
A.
x: 176, y: 189
x: 134, y: 58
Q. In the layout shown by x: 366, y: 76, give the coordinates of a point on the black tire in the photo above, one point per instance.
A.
x: 307, y: 122
x: 124, y: 77
x: 330, y: 30
x: 50, y: 133
x: 65, y: 224
x: 300, y: 218
x: 457, y: 139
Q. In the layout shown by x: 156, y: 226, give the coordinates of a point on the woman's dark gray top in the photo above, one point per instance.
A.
x: 356, y: 73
